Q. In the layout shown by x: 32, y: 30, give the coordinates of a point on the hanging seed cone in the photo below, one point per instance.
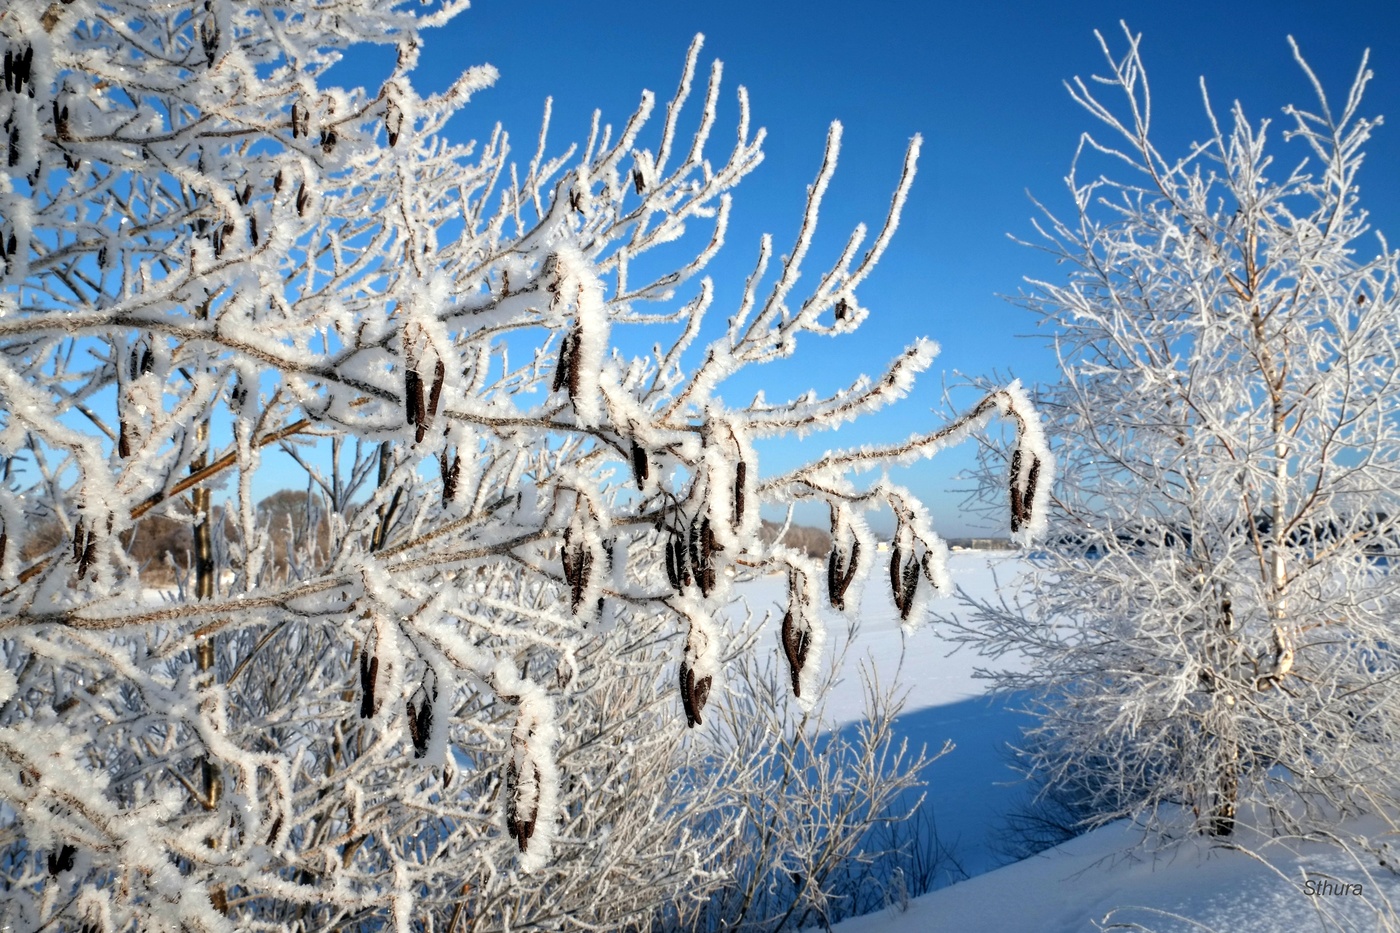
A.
x: 522, y: 801
x: 796, y: 641
x: 740, y: 476
x: 425, y: 727
x: 393, y: 123
x: 641, y: 469
x: 435, y: 395
x: 840, y: 573
x: 897, y: 575
x: 413, y: 732
x: 369, y: 673
x: 575, y: 369
x: 451, y: 475
x: 563, y: 370
x: 910, y: 586
x: 695, y: 692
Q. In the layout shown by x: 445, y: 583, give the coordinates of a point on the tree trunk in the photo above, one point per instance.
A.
x: 1225, y: 796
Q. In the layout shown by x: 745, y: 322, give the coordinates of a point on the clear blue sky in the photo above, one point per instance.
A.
x: 983, y: 84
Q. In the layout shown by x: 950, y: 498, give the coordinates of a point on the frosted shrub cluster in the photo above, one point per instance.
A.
x: 1212, y: 640
x: 455, y: 704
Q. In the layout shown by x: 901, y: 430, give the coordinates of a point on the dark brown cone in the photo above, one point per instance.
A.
x: 451, y: 474
x: 369, y: 673
x: 519, y: 823
x: 435, y: 395
x: 795, y: 644
x: 62, y: 860
x: 413, y: 396
x: 60, y: 122
x: 708, y: 547
x: 413, y: 733
x: 695, y: 692
x: 840, y: 573
x: 563, y: 370
x: 910, y: 586
x: 834, y: 572
x: 425, y: 728
x: 1029, y: 495
x: 740, y: 477
x: 574, y: 369
x: 693, y: 550
x: 640, y: 468
x: 1017, y: 506
x: 896, y: 575
x: 583, y: 564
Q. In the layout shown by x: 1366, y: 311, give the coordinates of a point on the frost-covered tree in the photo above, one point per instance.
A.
x: 1211, y: 642
x: 453, y: 699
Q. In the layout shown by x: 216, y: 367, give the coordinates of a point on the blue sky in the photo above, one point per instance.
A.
x: 983, y: 84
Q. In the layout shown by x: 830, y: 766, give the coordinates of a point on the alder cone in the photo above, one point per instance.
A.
x: 640, y: 468
x: 740, y: 478
x: 413, y: 396
x: 564, y: 368
x: 62, y: 860
x: 1021, y: 502
x: 521, y: 811
x: 796, y: 641
x: 840, y: 573
x: 904, y: 581
x: 420, y: 726
x: 451, y: 475
x: 695, y: 692
x: 369, y: 672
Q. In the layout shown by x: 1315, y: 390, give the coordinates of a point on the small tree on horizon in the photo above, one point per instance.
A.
x: 1211, y: 643
x: 472, y: 705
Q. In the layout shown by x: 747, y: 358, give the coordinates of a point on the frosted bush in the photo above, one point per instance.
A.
x: 451, y: 696
x: 1210, y: 642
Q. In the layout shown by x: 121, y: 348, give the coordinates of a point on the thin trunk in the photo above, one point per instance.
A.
x: 211, y: 778
x: 203, y: 529
x: 1226, y: 795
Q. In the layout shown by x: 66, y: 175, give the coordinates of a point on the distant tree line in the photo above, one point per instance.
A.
x: 163, y: 545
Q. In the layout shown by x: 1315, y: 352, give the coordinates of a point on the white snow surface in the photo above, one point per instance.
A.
x: 1089, y: 883
x: 1098, y: 881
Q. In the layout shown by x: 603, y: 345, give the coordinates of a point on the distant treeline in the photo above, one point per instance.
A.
x: 163, y: 545
x: 298, y: 525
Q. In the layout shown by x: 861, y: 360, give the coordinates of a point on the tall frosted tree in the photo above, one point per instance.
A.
x: 459, y: 698
x: 1210, y: 644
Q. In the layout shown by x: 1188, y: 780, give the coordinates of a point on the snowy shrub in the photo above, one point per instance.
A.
x: 1211, y: 640
x: 827, y: 851
x: 451, y: 698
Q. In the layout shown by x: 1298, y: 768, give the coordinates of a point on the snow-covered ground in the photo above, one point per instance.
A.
x: 1092, y: 882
